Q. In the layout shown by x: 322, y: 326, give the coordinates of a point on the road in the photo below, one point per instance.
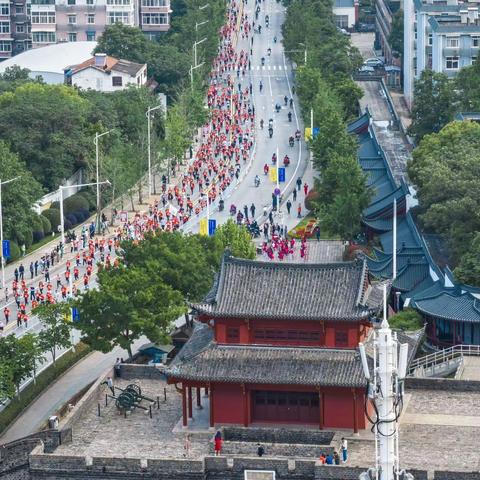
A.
x: 277, y: 78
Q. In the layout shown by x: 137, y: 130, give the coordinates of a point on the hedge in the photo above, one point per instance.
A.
x: 44, y: 380
x: 53, y: 216
x: 91, y: 197
x: 47, y: 226
x: 311, y: 200
x: 74, y: 203
x: 14, y: 251
x: 37, y: 228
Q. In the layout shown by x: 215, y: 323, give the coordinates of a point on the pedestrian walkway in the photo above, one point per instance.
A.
x: 66, y: 387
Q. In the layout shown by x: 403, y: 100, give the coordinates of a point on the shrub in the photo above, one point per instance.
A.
x: 24, y: 238
x: 47, y: 226
x: 14, y: 252
x: 38, y: 235
x: 82, y: 215
x: 53, y: 215
x: 91, y: 198
x: 44, y: 380
x: 74, y: 203
x: 37, y: 226
x: 311, y: 200
x: 407, y: 319
x: 72, y: 219
x: 67, y: 224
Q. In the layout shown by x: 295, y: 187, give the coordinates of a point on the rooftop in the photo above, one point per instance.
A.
x: 52, y: 58
x: 307, y: 291
x: 107, y: 64
x: 203, y: 360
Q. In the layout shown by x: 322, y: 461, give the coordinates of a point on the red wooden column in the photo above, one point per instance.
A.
x: 190, y: 409
x: 320, y: 406
x: 245, y: 405
x: 212, y: 417
x: 199, y: 402
x: 184, y: 405
x: 355, y: 418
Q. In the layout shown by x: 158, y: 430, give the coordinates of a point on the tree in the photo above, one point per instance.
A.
x: 33, y: 345
x: 177, y: 138
x: 434, y: 105
x: 445, y: 170
x: 407, y: 319
x: 237, y: 239
x: 343, y: 196
x: 7, y: 387
x: 56, y: 330
x: 128, y: 304
x: 17, y: 353
x: 17, y: 197
x: 467, y: 83
x: 395, y: 38
x: 52, y: 149
x: 468, y: 270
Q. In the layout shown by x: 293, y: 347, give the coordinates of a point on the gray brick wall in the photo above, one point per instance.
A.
x: 277, y: 435
x: 445, y: 384
x: 274, y: 449
x: 130, y: 371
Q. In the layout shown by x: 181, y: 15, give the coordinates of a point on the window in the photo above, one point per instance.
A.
x: 43, y: 37
x: 341, y: 338
x: 451, y: 63
x: 341, y: 21
x: 233, y: 335
x: 5, y: 46
x: 71, y: 2
x: 91, y: 18
x: 91, y: 36
x: 118, y: 2
x: 4, y: 9
x: 90, y: 2
x: 117, y: 81
x: 154, y: 19
x: 19, y: 9
x: 430, y: 39
x: 20, y: 29
x: 72, y: 19
x: 474, y: 59
x: 302, y: 336
x: 121, y: 17
x: 154, y: 3
x: 4, y: 27
x: 476, y: 42
x: 43, y: 17
x: 453, y: 42
x: 72, y: 37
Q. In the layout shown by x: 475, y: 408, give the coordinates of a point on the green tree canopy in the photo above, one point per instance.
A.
x: 396, y: 34
x: 467, y: 84
x: 236, y: 238
x: 52, y: 149
x: 445, y: 170
x: 408, y: 320
x: 434, y: 106
x: 17, y: 197
x: 468, y: 270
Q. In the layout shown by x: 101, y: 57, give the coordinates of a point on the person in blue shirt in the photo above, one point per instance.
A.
x: 329, y: 459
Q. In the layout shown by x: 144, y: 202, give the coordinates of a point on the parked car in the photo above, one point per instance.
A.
x: 366, y: 27
x: 366, y: 70
x: 343, y: 31
x: 374, y: 62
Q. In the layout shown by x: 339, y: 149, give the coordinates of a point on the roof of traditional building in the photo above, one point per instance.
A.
x: 306, y: 291
x: 203, y: 360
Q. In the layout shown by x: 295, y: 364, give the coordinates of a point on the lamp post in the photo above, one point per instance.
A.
x: 202, y: 7
x: 192, y: 68
x: 95, y: 141
x: 149, y: 121
x: 304, y: 53
x: 200, y: 24
x: 195, y: 49
x: 1, y: 226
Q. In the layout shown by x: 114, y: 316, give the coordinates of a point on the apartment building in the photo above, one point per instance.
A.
x: 385, y: 10
x: 28, y: 24
x: 442, y: 35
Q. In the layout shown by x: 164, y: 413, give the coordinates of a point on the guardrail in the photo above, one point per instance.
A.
x: 443, y: 356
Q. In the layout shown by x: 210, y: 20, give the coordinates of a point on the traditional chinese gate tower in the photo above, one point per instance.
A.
x: 276, y: 343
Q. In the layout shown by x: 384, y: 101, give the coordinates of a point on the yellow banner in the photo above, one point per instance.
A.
x: 308, y: 134
x: 273, y: 174
x: 203, y: 226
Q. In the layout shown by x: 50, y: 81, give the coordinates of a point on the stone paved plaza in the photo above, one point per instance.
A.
x: 137, y: 435
x: 433, y: 431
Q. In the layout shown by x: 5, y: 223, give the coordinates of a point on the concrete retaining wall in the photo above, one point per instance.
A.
x: 131, y: 371
x: 274, y: 449
x: 448, y: 384
x: 277, y: 435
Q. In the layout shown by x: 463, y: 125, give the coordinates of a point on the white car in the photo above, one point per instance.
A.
x: 373, y: 62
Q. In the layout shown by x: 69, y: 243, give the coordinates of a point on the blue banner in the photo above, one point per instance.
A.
x: 212, y: 226
x: 6, y: 249
x: 281, y: 174
x: 316, y: 131
x: 75, y: 314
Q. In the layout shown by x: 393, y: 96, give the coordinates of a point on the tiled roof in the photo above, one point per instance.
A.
x: 265, y: 364
x: 110, y: 63
x: 451, y: 304
x: 255, y: 289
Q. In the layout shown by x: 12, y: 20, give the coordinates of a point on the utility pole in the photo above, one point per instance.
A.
x: 97, y: 164
x: 149, y: 127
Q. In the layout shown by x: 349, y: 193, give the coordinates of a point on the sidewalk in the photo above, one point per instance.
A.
x: 68, y: 385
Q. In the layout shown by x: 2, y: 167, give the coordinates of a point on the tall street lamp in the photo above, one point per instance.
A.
x: 195, y: 50
x: 192, y: 68
x: 149, y: 121
x: 95, y: 141
x: 1, y: 226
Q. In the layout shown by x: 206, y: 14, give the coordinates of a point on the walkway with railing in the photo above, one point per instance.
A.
x: 442, y: 361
